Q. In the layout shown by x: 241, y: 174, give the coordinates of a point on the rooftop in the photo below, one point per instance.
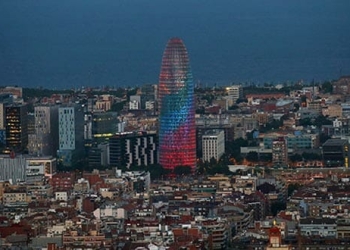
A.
x: 335, y: 142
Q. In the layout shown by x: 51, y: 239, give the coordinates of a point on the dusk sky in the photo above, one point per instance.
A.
x: 74, y: 43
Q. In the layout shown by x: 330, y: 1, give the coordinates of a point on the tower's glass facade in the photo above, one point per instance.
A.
x: 177, y: 132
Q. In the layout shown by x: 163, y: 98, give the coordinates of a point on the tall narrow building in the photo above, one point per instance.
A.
x: 44, y: 140
x: 16, y: 127
x: 177, y: 132
x: 70, y: 134
x: 280, y: 152
x: 213, y: 144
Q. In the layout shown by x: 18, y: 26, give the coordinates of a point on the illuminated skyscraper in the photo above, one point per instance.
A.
x: 16, y: 127
x: 177, y: 131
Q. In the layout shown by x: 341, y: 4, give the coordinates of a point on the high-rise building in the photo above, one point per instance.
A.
x: 133, y: 149
x: 177, y: 130
x: 44, y: 140
x: 70, y: 134
x: 280, y: 152
x: 104, y: 123
x: 5, y: 99
x: 16, y: 127
x: 213, y: 143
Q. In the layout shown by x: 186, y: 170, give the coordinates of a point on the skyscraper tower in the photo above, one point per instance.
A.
x: 177, y: 130
x: 16, y: 127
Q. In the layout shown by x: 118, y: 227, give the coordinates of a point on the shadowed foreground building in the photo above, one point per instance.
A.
x: 133, y: 149
x: 16, y: 127
x: 177, y: 131
x: 336, y: 153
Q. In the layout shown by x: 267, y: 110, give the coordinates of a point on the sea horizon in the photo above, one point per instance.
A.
x: 70, y: 44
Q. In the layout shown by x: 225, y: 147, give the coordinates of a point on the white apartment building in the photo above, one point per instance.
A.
x: 235, y: 92
x: 134, y: 105
x: 213, y: 144
x: 110, y: 211
x: 70, y: 133
x: 150, y: 105
x: 61, y: 196
x: 41, y: 165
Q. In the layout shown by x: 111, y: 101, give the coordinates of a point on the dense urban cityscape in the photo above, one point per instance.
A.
x: 176, y: 165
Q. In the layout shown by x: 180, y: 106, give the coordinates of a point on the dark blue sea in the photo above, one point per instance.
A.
x: 74, y: 43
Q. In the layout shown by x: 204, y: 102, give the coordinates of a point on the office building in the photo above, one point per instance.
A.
x: 139, y: 101
x: 99, y: 155
x: 4, y: 100
x: 44, y: 140
x: 133, y: 149
x: 213, y: 144
x: 16, y: 127
x: 104, y: 123
x: 297, y: 140
x: 177, y: 130
x: 71, y: 134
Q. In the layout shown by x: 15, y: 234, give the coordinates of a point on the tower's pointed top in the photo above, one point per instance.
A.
x: 175, y: 40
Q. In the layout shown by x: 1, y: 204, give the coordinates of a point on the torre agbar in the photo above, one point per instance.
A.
x: 177, y: 131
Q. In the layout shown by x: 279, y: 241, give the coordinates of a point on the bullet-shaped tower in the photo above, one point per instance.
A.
x: 177, y: 130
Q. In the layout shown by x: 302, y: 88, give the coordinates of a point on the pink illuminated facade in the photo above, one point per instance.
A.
x: 177, y: 132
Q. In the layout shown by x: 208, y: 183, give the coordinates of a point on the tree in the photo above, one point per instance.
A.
x: 233, y: 107
x: 305, y: 122
x: 209, y: 98
x: 303, y: 98
x: 213, y: 162
x: 296, y: 157
x: 250, y: 135
x: 327, y: 87
x: 202, y: 167
x: 118, y: 106
x: 182, y: 170
x: 157, y: 171
x: 311, y: 156
x: 200, y: 110
x: 292, y: 187
x: 266, y: 157
x: 219, y: 169
x: 296, y: 107
x: 322, y: 120
x: 239, y: 100
x: 274, y: 124
x: 233, y: 148
x: 276, y: 207
x: 252, y: 156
